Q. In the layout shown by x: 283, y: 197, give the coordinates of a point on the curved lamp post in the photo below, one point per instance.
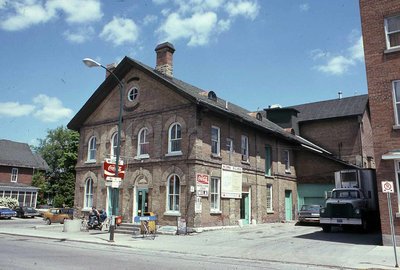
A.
x: 114, y: 191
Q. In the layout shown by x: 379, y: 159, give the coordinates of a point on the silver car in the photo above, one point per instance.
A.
x: 309, y: 213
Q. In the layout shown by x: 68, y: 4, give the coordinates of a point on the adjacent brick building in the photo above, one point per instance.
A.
x: 380, y: 22
x: 17, y: 166
x: 188, y: 153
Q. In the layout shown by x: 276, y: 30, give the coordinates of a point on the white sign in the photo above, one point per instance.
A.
x: 198, y: 205
x: 231, y: 182
x: 115, y: 181
x: 387, y: 187
x: 202, y: 184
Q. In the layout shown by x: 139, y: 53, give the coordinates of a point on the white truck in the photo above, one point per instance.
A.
x: 353, y: 202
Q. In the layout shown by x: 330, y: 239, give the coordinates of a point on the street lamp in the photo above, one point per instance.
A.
x: 114, y: 191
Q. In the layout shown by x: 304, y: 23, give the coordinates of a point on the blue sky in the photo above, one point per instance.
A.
x: 254, y: 53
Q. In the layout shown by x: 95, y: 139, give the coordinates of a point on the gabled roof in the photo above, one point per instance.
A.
x: 350, y: 106
x: 18, y: 154
x: 192, y: 93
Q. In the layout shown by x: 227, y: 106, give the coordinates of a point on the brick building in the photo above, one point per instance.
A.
x: 188, y: 153
x: 380, y: 22
x: 17, y: 166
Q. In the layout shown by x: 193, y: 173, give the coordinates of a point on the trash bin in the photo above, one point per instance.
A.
x: 151, y: 224
x: 118, y: 220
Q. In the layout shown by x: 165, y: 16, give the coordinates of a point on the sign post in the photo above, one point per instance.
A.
x: 387, y: 187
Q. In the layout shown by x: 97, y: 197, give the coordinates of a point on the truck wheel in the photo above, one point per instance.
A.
x: 364, y: 226
x: 48, y: 221
x: 326, y: 228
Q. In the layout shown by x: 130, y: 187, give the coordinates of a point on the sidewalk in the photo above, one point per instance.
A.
x: 278, y: 242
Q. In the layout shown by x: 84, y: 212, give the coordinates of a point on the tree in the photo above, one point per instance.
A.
x: 39, y: 180
x: 60, y: 150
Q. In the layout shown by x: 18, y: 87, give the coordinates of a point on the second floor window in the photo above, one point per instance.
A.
x: 215, y: 141
x: 114, y: 144
x: 174, y: 138
x: 286, y: 160
x: 92, y: 149
x: 143, y: 143
x: 245, y: 148
x: 14, y: 174
x: 396, y: 102
x: 268, y: 160
x: 392, y: 31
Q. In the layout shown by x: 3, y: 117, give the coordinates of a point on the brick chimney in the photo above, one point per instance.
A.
x: 164, y: 63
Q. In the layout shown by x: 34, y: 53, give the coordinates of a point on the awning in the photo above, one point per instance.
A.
x: 392, y: 154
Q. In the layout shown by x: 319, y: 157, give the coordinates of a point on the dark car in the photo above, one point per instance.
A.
x: 7, y: 212
x: 25, y: 211
x: 309, y: 213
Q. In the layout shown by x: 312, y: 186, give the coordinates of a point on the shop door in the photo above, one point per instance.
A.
x: 142, y: 198
x: 244, y: 208
x: 288, y: 205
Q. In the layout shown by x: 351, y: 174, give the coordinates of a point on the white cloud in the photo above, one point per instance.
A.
x: 82, y: 35
x: 160, y: 2
x: 50, y: 109
x: 22, y: 14
x: 149, y: 19
x: 304, y: 7
x: 339, y: 64
x: 15, y: 109
x: 120, y: 31
x: 248, y: 9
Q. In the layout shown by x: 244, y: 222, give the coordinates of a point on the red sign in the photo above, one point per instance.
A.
x: 109, y: 169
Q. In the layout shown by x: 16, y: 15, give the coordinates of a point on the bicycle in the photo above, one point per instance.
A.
x: 84, y: 225
x: 148, y: 232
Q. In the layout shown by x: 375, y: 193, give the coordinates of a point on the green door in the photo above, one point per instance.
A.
x: 288, y: 205
x: 244, y: 208
x: 142, y: 199
x: 110, y: 200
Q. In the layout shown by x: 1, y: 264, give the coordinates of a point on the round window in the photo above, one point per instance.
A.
x: 133, y: 94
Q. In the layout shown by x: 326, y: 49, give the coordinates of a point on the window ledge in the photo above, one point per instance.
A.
x: 395, y: 127
x: 216, y: 212
x: 288, y: 172
x: 87, y: 209
x: 397, y: 215
x: 269, y: 176
x: 391, y: 50
x: 172, y: 214
x: 245, y: 162
x: 144, y: 156
x: 90, y: 161
x: 173, y: 154
x: 270, y: 211
x: 217, y: 156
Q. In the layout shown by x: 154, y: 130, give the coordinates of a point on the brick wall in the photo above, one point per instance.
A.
x: 24, y: 175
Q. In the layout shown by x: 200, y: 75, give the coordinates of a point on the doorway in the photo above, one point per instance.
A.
x: 142, y: 201
x: 245, y: 208
x: 288, y: 205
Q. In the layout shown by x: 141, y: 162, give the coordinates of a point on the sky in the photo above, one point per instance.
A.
x: 254, y: 53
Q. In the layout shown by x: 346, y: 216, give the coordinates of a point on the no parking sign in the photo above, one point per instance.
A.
x: 387, y: 187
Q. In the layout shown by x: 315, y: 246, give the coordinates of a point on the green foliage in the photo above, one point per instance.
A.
x: 8, y: 202
x: 39, y: 180
x: 60, y: 150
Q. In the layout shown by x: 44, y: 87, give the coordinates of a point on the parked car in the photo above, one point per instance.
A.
x: 25, y: 211
x: 57, y: 215
x: 309, y: 213
x: 7, y: 212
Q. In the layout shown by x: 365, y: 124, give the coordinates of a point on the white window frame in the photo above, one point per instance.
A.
x: 173, y: 138
x: 88, y: 194
x: 215, y: 142
x: 396, y: 102
x: 114, y: 144
x: 286, y: 160
x: 269, y: 198
x: 14, y: 175
x: 92, y: 149
x: 215, y: 195
x: 175, y: 194
x: 387, y: 33
x: 245, y: 148
x: 143, y: 142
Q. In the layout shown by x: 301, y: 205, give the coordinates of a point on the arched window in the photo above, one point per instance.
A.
x: 143, y: 143
x: 133, y: 94
x: 173, y: 194
x: 114, y: 144
x: 174, y: 138
x: 88, y: 199
x: 92, y: 149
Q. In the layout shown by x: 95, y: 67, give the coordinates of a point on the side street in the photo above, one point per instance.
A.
x: 279, y: 242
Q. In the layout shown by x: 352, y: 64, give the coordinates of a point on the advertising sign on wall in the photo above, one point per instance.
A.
x: 109, y: 168
x: 231, y: 182
x: 202, y: 184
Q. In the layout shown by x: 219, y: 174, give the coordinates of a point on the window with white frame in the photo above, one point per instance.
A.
x: 392, y: 31
x: 215, y: 141
x: 174, y: 138
x: 92, y: 149
x: 396, y: 101
x: 14, y: 174
x: 215, y: 193
x: 245, y: 148
x: 88, y: 203
x: 143, y: 143
x: 173, y: 194
x: 268, y: 160
x: 286, y: 160
x: 269, y: 198
x: 133, y: 94
x: 114, y: 144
